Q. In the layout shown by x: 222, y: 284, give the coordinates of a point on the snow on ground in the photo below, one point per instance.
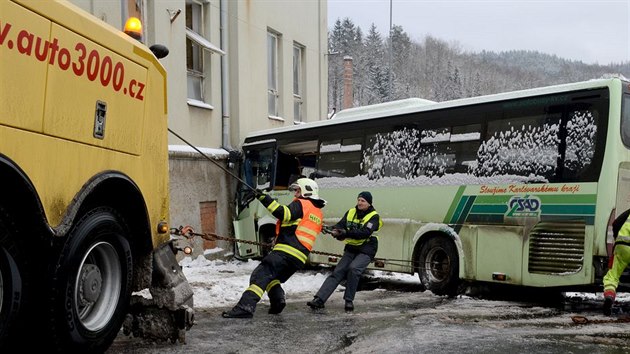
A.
x: 220, y: 283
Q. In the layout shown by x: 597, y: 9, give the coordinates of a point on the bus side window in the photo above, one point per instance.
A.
x: 339, y: 158
x: 392, y: 154
x: 523, y: 146
x: 465, y: 141
x: 288, y: 170
x: 436, y: 156
x: 580, y: 146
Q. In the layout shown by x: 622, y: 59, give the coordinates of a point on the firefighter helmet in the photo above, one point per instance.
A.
x: 308, y: 188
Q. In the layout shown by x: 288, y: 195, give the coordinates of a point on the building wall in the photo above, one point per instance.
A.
x: 194, y: 181
x: 305, y: 24
x: 193, y: 185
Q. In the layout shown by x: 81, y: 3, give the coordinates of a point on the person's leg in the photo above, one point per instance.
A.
x: 276, y: 294
x: 354, y: 272
x: 333, y: 280
x: 611, y: 279
x: 277, y: 300
x: 260, y: 278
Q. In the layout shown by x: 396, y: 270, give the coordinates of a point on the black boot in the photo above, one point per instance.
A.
x: 276, y: 307
x: 237, y: 312
x: 609, y: 300
x: 316, y: 303
x: 349, y: 307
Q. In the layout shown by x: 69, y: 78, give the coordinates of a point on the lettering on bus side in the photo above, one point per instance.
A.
x: 523, y: 206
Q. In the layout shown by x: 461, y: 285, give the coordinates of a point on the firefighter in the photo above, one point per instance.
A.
x: 621, y: 254
x: 358, y: 229
x: 298, y: 225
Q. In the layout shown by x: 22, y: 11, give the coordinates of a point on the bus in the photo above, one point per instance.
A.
x: 84, y: 200
x: 517, y: 188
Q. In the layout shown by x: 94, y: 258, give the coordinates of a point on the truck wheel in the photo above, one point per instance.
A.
x: 10, y: 283
x: 438, y: 266
x: 91, y: 283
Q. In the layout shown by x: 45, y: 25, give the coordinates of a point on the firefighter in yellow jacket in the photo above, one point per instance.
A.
x: 299, y: 223
x: 621, y: 254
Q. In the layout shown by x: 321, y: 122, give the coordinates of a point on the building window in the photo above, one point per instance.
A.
x: 272, y: 74
x: 198, y: 50
x: 298, y: 82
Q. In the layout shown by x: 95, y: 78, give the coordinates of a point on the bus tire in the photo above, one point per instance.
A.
x: 10, y: 282
x: 91, y: 283
x: 438, y: 266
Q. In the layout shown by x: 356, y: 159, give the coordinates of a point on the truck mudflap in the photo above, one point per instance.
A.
x: 166, y: 313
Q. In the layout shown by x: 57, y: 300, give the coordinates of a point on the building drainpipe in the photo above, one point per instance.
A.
x: 348, y: 97
x: 225, y: 94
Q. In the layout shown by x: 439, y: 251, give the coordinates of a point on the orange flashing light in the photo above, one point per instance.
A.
x: 133, y: 28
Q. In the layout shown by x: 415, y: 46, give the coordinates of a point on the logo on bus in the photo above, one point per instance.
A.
x: 523, y: 206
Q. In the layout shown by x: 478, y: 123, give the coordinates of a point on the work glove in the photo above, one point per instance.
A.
x: 327, y: 230
x: 254, y: 194
x: 339, y: 234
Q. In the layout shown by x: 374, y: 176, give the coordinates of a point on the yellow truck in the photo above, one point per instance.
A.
x: 85, y: 247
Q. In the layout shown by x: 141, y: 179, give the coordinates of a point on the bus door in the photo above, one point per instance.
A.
x: 258, y: 171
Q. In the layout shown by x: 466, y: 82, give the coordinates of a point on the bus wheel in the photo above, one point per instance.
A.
x: 10, y: 283
x: 91, y: 283
x: 439, y: 266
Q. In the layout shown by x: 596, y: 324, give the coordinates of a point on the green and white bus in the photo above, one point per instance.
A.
x: 514, y: 188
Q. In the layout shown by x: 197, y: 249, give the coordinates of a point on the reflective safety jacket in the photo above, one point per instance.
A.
x: 355, y: 223
x: 307, y: 227
x: 298, y: 225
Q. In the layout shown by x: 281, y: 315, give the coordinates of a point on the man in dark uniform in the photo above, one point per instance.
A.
x: 358, y: 229
x: 299, y: 223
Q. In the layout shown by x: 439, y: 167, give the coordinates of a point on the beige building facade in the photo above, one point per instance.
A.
x: 234, y: 66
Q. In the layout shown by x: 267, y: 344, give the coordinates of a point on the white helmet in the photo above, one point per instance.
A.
x: 308, y: 188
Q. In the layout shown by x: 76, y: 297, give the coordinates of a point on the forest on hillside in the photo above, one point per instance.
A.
x: 439, y: 71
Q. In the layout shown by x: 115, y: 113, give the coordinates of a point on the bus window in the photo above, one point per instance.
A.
x: 339, y: 158
x: 522, y: 146
x: 288, y: 170
x: 465, y: 141
x: 257, y: 169
x: 580, y: 150
x: 392, y: 154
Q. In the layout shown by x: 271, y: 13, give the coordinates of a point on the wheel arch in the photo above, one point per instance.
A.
x: 120, y: 192
x: 22, y: 200
x: 36, y: 238
x: 432, y: 230
x: 110, y: 188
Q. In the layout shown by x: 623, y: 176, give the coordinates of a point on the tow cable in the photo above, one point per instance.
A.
x: 188, y: 233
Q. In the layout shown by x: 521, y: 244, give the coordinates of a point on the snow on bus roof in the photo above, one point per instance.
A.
x: 390, y: 108
x: 412, y: 105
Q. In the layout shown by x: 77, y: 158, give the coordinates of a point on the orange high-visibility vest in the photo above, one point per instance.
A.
x: 308, y: 227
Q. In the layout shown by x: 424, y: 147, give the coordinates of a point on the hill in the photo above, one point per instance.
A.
x: 436, y: 70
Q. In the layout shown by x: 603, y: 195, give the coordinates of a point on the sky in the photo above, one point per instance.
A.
x: 591, y: 31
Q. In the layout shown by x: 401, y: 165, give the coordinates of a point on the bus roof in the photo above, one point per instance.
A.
x: 412, y: 105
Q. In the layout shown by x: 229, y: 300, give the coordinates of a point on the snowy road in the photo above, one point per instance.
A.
x: 391, y: 316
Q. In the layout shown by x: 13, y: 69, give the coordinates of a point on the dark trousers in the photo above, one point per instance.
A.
x: 276, y: 268
x: 350, y: 267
